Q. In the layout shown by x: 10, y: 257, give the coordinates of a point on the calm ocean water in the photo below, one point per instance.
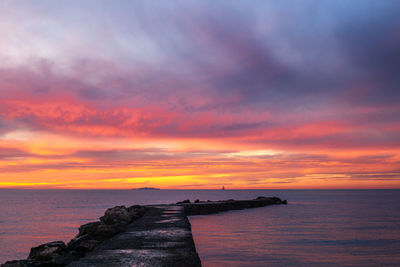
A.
x: 317, y: 227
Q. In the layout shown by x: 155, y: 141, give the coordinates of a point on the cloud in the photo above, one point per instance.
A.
x: 309, y: 81
x: 13, y: 153
x: 371, y: 44
x: 6, y: 126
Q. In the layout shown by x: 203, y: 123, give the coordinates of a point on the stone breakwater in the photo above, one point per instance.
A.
x: 210, y: 207
x: 151, y: 235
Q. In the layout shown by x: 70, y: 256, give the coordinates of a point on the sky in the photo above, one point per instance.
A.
x: 199, y: 94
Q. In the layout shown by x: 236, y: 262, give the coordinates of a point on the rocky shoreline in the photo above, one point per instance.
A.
x: 162, y: 225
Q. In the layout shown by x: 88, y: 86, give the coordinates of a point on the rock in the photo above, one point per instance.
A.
x: 135, y: 208
x: 18, y: 263
x: 277, y: 200
x: 261, y: 198
x: 86, y: 246
x: 284, y: 202
x: 136, y: 212
x: 197, y: 201
x: 183, y: 202
x: 104, y: 231
x: 88, y: 228
x: 48, y: 252
x: 77, y: 240
x: 97, y: 231
x: 116, y: 215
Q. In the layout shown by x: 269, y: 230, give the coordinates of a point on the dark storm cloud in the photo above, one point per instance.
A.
x: 372, y: 46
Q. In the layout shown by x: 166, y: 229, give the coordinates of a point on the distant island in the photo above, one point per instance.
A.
x: 146, y: 188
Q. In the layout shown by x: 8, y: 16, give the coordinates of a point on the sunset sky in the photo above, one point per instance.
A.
x: 199, y: 94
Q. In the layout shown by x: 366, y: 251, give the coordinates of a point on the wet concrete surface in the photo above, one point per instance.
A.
x: 161, y: 237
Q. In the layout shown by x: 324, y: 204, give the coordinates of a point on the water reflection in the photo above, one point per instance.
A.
x: 326, y: 227
x: 336, y: 228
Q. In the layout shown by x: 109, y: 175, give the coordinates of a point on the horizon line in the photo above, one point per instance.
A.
x: 216, y: 189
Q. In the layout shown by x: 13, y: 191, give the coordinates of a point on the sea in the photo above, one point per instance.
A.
x: 316, y: 228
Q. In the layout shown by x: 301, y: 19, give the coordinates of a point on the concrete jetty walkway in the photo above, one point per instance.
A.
x: 161, y: 237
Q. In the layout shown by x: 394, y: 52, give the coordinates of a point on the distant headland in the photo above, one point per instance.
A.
x: 146, y: 188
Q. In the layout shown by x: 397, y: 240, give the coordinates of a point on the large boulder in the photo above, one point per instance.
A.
x: 105, y: 231
x: 186, y: 201
x: 136, y: 211
x: 88, y: 228
x: 48, y: 252
x: 116, y: 215
x: 75, y: 242
x: 86, y: 245
x: 97, y: 231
